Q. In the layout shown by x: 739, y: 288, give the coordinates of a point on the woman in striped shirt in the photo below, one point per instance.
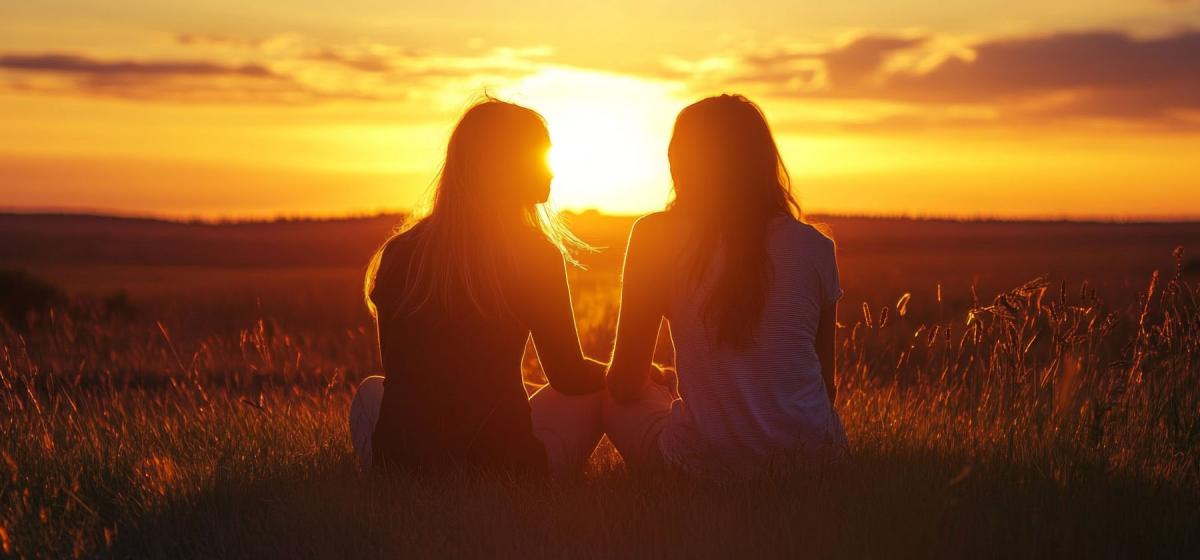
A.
x: 749, y: 292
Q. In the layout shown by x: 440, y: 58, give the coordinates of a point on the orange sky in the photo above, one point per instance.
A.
x: 1087, y: 108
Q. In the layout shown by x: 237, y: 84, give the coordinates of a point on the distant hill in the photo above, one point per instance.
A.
x: 92, y: 239
x: 880, y: 258
x: 81, y: 239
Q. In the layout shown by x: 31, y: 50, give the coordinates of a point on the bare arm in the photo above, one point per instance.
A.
x: 640, y: 316
x: 552, y: 323
x: 826, y: 348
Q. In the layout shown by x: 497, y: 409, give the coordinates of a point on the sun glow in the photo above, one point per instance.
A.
x: 609, y: 135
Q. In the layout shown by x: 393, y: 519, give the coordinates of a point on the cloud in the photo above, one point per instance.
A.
x: 415, y: 64
x: 361, y: 61
x: 856, y: 61
x: 274, y: 70
x: 81, y: 65
x: 205, y: 39
x: 1068, y: 75
x: 1096, y: 61
x: 167, y: 79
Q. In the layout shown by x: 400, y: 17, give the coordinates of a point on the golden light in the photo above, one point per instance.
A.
x: 609, y: 136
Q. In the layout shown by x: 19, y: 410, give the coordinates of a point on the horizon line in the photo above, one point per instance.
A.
x: 110, y: 213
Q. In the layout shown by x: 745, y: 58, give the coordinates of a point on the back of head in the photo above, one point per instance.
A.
x: 486, y: 209
x: 730, y: 182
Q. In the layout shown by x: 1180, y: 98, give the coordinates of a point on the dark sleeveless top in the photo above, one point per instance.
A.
x: 453, y: 390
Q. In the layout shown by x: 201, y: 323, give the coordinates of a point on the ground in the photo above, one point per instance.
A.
x: 204, y: 413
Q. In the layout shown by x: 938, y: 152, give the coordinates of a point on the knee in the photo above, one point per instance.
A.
x: 621, y: 418
x: 370, y: 385
x: 370, y: 390
x: 549, y: 402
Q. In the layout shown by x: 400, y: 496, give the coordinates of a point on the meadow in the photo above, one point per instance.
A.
x: 1009, y: 389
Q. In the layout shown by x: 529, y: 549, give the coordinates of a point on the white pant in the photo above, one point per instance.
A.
x: 634, y: 428
x: 569, y: 426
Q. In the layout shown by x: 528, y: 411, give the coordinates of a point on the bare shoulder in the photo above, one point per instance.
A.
x: 653, y: 221
x: 653, y: 229
x: 652, y: 237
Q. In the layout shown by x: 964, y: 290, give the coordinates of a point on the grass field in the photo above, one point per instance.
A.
x: 991, y: 411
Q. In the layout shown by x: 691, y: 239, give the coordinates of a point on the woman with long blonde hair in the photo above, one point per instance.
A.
x: 456, y: 294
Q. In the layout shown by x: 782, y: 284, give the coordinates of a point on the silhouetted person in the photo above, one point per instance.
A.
x: 749, y: 292
x: 457, y: 294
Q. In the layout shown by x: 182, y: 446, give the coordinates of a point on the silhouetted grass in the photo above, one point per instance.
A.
x: 1040, y: 423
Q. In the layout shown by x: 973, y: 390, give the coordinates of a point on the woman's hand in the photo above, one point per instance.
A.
x: 666, y: 377
x: 626, y: 388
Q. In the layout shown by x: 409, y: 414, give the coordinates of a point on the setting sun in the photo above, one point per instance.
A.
x: 300, y: 111
x: 609, y: 137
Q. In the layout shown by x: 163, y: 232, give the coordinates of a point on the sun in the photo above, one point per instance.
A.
x: 609, y: 137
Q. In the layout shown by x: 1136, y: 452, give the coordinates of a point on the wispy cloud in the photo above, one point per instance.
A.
x: 204, y: 39
x: 1070, y: 75
x: 355, y: 60
x: 279, y: 69
x: 193, y: 80
x: 883, y: 80
x: 81, y: 65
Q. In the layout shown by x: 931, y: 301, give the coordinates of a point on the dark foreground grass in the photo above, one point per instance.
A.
x: 1042, y: 424
x: 178, y: 475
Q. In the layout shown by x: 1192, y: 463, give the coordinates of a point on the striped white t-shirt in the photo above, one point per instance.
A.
x: 740, y: 407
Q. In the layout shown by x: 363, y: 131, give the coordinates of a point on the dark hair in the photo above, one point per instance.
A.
x: 729, y: 182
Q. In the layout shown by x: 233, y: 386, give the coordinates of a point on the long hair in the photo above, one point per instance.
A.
x: 729, y: 181
x: 486, y: 207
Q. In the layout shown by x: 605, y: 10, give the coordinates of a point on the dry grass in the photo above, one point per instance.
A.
x: 1042, y: 423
